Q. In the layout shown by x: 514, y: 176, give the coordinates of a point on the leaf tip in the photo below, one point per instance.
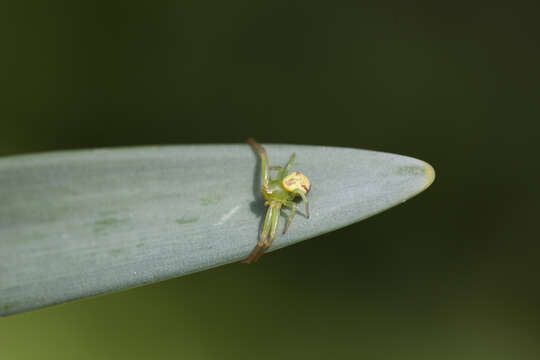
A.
x: 430, y: 175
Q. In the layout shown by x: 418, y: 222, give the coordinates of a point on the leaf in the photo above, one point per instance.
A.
x: 80, y: 223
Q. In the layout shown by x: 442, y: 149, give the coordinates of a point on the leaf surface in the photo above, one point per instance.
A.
x: 80, y: 223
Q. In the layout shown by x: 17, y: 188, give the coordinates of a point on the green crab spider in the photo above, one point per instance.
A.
x: 278, y: 192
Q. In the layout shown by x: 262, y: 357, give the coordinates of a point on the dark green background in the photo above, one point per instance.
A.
x: 452, y: 274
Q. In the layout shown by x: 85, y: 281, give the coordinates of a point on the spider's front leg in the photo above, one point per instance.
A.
x: 274, y: 225
x: 265, y: 172
x: 259, y: 248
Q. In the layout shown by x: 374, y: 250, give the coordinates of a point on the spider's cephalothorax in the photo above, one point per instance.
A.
x: 278, y: 192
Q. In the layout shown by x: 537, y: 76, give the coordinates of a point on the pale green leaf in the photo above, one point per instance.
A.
x: 81, y: 223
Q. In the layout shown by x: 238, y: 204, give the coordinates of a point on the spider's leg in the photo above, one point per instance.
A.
x: 292, y: 205
x: 264, y: 236
x: 273, y: 229
x: 288, y: 167
x: 265, y: 172
x: 303, y: 196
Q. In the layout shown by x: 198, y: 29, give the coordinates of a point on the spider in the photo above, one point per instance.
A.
x: 278, y: 192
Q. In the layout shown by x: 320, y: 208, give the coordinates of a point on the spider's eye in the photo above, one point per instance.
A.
x: 296, y: 181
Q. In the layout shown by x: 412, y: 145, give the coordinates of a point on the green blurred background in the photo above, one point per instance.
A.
x: 451, y: 274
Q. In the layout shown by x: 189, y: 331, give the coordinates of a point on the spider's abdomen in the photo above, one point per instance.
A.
x: 296, y: 181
